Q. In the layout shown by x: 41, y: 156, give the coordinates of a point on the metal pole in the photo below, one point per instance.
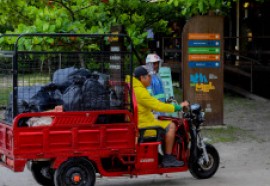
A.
x: 163, y: 50
x: 237, y: 47
x: 251, y: 77
x: 60, y: 60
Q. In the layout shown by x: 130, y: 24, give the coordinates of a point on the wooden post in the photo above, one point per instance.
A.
x: 116, y: 60
x: 203, y: 65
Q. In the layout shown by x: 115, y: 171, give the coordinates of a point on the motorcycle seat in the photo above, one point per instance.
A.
x: 160, y: 132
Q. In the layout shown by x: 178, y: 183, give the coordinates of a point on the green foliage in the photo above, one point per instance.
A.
x: 96, y: 16
x: 197, y: 7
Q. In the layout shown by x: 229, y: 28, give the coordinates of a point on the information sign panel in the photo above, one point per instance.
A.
x: 204, y: 50
x: 204, y: 36
x: 202, y: 43
x: 195, y: 57
x: 204, y: 64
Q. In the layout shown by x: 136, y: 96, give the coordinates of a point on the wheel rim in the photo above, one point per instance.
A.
x: 207, y: 166
x: 45, y: 171
x: 77, y: 176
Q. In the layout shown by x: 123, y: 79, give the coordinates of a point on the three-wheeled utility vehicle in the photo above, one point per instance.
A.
x: 68, y: 114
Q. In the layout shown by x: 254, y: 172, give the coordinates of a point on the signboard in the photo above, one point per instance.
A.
x: 116, y: 59
x: 208, y: 64
x: 206, y: 35
x: 199, y: 57
x: 202, y: 43
x: 204, y: 50
x: 203, y: 65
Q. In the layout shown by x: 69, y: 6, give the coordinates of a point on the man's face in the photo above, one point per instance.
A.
x: 156, y: 66
x: 146, y: 80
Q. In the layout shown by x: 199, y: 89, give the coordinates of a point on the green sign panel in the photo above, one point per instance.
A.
x: 204, y: 50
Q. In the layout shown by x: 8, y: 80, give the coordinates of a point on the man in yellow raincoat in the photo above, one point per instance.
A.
x: 147, y: 104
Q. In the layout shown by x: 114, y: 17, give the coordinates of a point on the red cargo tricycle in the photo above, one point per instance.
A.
x: 69, y: 114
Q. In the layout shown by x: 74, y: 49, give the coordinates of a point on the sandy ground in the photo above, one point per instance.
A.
x: 245, y: 162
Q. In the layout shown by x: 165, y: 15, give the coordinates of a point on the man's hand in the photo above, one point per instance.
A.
x: 178, y: 108
x: 184, y: 104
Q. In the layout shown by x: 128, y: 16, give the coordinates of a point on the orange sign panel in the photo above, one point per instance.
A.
x: 202, y: 36
x: 195, y: 57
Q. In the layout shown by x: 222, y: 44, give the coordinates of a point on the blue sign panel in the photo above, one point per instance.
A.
x: 204, y: 64
x: 203, y: 43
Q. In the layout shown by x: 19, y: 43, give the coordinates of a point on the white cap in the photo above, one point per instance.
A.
x: 151, y: 58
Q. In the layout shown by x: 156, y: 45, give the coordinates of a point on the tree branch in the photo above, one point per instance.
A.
x: 83, y: 8
x: 66, y: 7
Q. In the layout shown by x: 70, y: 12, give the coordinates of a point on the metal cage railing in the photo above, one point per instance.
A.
x: 78, y: 71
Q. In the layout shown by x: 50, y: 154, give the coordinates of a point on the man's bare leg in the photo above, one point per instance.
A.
x: 169, y: 160
x: 169, y: 138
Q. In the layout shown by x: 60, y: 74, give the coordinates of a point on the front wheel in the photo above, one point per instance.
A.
x: 75, y: 172
x: 201, y: 169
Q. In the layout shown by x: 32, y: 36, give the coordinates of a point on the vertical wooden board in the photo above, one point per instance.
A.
x: 202, y: 78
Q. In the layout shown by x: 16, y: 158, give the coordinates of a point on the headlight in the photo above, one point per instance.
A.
x: 195, y: 108
x: 201, y: 117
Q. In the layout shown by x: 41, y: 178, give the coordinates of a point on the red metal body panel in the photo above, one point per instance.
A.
x: 70, y: 134
x: 147, y: 156
x: 77, y: 134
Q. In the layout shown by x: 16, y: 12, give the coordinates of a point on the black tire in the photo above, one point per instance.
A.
x: 42, y: 173
x: 206, y: 170
x: 75, y: 172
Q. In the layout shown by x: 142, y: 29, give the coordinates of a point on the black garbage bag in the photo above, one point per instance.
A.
x: 72, y: 97
x: 86, y: 94
x: 47, y: 98
x: 94, y: 95
x: 63, y: 78
x: 103, y: 79
x: 24, y: 96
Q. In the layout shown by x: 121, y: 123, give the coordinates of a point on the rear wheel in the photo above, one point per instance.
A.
x: 75, y: 172
x: 200, y: 168
x: 42, y: 172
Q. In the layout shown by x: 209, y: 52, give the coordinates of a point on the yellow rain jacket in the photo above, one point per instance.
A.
x: 146, y: 104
